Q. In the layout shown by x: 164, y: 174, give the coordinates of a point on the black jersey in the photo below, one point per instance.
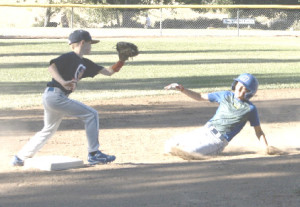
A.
x: 71, y: 67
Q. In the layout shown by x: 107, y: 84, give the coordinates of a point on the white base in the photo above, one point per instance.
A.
x: 51, y: 163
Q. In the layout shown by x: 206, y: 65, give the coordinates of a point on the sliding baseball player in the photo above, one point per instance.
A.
x: 234, y: 111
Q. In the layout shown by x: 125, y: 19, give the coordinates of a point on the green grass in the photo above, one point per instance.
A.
x: 202, y: 64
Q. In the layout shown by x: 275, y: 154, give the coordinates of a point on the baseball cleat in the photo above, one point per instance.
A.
x: 100, y: 158
x: 16, y: 161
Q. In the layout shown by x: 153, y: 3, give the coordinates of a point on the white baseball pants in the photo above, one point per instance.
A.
x: 56, y: 106
x: 200, y: 140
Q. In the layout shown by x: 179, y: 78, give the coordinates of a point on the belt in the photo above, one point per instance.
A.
x: 55, y: 89
x: 214, y: 131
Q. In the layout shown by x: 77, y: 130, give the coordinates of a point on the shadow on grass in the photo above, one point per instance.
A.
x: 5, y: 43
x: 213, y: 51
x: 141, y: 52
x: 216, y: 61
x: 144, y: 84
x: 162, y: 63
x: 38, y: 54
x: 30, y: 54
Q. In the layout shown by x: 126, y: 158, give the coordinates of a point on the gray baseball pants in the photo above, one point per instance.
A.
x: 56, y: 106
x: 200, y: 140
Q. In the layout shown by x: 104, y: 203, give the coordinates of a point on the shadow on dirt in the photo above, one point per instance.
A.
x: 271, y: 180
x: 152, y: 115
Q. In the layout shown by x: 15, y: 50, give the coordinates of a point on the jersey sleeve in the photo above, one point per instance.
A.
x: 253, y: 116
x: 217, y: 96
x: 92, y: 68
x: 61, y: 61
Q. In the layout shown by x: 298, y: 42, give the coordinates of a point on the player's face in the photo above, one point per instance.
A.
x: 240, y: 91
x: 86, y: 47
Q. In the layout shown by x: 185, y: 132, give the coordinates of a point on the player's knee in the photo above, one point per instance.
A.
x: 93, y: 115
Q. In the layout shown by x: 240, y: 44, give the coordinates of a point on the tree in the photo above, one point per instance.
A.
x: 125, y: 2
x: 124, y: 16
x: 51, y: 11
x: 283, y: 2
x: 205, y: 2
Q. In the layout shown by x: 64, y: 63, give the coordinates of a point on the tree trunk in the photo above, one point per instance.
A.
x: 48, y: 14
x: 47, y: 17
x: 118, y: 19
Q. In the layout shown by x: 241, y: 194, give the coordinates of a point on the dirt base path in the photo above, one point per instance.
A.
x: 135, y: 129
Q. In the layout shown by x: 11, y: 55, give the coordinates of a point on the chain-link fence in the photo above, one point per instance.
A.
x: 150, y: 22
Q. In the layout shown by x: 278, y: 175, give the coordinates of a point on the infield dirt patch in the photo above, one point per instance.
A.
x: 135, y: 129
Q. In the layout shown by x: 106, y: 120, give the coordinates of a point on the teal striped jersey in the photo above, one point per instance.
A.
x: 232, y: 113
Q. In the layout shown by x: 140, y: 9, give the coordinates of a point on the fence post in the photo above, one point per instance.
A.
x: 238, y: 22
x: 72, y: 17
x: 160, y: 22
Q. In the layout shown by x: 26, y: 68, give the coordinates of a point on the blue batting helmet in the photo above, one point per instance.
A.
x: 249, y: 81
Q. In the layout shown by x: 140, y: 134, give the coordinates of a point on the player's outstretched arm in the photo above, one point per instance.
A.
x: 195, y: 95
x: 261, y: 135
x: 192, y: 94
x: 112, y: 69
x: 270, y: 150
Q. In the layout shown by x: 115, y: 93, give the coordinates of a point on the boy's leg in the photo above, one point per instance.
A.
x: 52, y: 121
x: 56, y: 105
x: 91, y: 121
x: 211, y: 145
x: 197, y: 141
x: 187, y: 141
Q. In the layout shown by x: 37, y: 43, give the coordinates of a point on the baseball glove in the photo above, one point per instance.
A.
x: 126, y: 50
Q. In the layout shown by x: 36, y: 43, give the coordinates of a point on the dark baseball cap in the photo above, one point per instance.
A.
x: 78, y: 35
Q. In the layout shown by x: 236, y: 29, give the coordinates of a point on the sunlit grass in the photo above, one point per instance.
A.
x: 203, y: 64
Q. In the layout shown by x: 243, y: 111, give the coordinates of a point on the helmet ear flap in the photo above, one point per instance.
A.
x: 248, y: 95
x: 233, y: 85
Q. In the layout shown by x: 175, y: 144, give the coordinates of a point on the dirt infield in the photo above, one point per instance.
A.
x: 135, y: 129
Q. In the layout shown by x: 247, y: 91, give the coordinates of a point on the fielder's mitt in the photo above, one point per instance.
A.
x: 126, y: 50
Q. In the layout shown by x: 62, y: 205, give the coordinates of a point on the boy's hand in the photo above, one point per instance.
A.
x: 270, y: 150
x: 70, y: 85
x: 174, y: 86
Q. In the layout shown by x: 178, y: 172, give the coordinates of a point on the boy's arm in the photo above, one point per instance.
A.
x: 112, y: 69
x: 68, y: 85
x: 261, y: 135
x: 270, y: 150
x: 192, y: 94
x: 195, y: 95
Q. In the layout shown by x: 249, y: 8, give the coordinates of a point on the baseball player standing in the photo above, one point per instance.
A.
x: 233, y: 112
x: 66, y: 71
